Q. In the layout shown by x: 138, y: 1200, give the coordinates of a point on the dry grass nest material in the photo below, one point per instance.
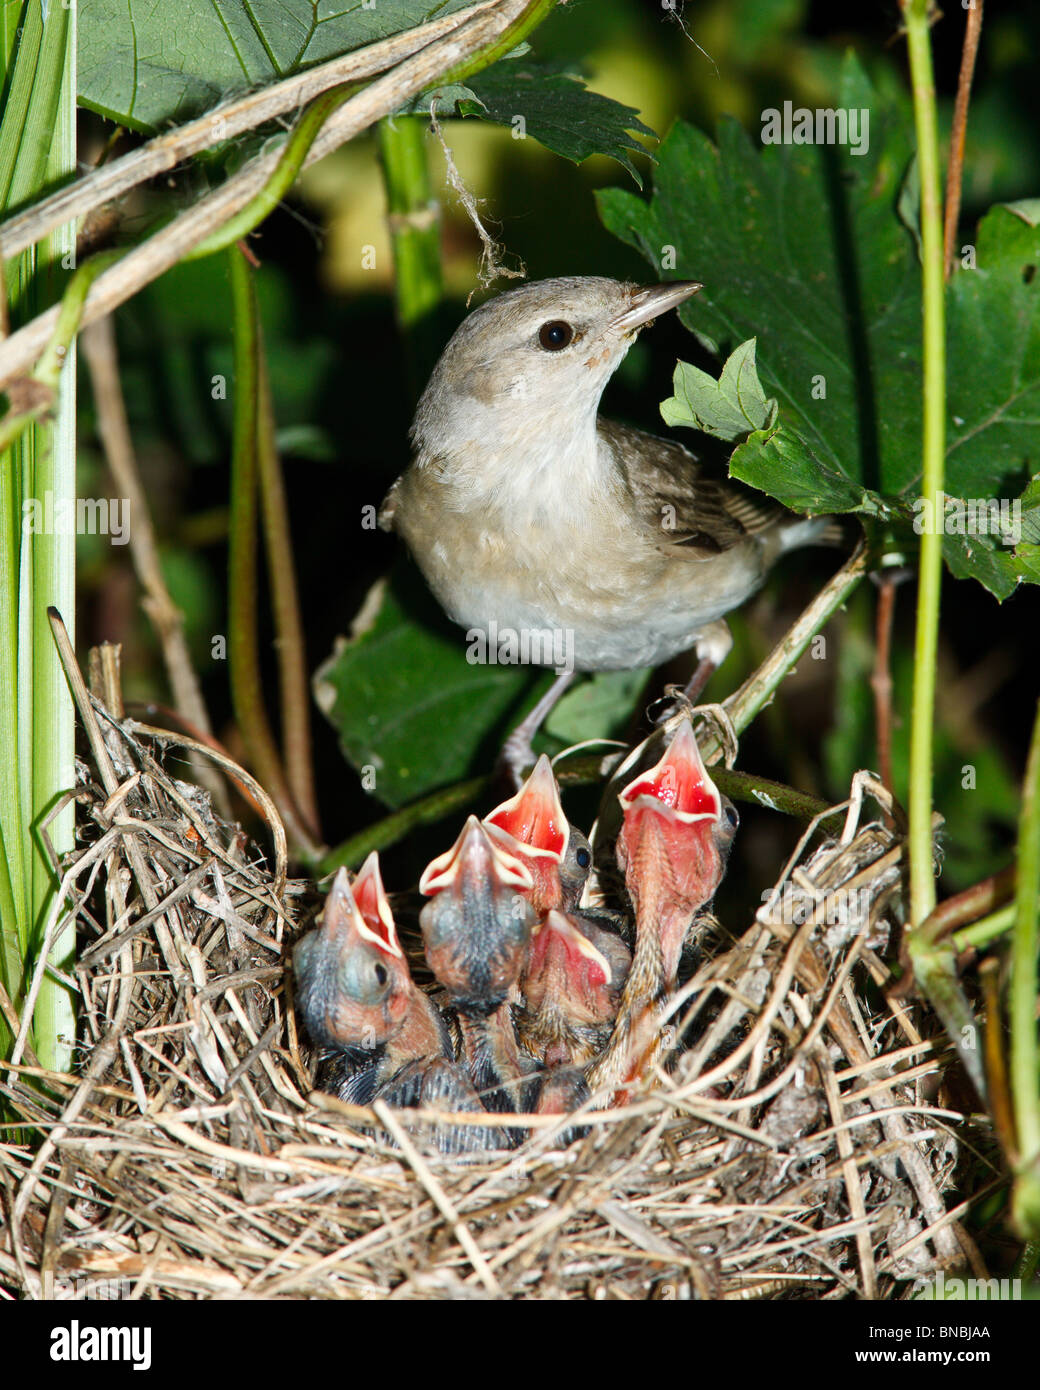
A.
x: 797, y: 1150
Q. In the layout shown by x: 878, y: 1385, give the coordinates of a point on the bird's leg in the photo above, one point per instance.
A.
x: 517, y: 755
x: 712, y: 647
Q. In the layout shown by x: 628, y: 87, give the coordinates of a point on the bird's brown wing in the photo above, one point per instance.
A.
x: 697, y: 508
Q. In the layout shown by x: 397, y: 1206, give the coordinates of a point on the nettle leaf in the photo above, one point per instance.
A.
x: 730, y: 408
x: 830, y: 292
x: 147, y: 64
x: 993, y: 361
x: 557, y: 110
x: 803, y: 248
x: 405, y: 701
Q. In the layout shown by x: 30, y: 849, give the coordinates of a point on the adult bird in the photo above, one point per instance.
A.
x: 528, y: 512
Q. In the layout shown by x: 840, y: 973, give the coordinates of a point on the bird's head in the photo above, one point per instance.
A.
x: 567, y: 970
x: 547, y: 348
x: 477, y: 926
x: 352, y: 980
x: 532, y: 826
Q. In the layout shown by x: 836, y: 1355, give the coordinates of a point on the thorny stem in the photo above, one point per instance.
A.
x: 922, y: 874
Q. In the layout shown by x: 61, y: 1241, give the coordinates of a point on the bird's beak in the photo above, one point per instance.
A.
x: 534, y: 816
x: 374, y: 906
x: 648, y: 303
x: 679, y: 781
x: 345, y: 920
x: 475, y: 859
x: 559, y: 941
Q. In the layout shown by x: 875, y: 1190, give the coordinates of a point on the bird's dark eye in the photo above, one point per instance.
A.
x: 555, y: 334
x: 584, y: 858
x: 382, y: 974
x: 732, y: 819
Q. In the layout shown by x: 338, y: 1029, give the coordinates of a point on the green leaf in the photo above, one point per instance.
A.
x: 558, y: 111
x: 993, y: 361
x: 799, y: 246
x: 146, y: 64
x: 597, y: 707
x: 405, y: 701
x: 803, y: 248
x: 779, y: 461
x: 730, y: 408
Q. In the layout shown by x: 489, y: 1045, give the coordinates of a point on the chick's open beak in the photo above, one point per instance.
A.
x: 532, y: 827
x: 374, y: 906
x: 534, y: 815
x: 473, y: 860
x: 652, y: 301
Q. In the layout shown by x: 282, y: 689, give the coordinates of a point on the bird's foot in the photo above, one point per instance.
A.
x: 517, y: 757
x: 718, y: 723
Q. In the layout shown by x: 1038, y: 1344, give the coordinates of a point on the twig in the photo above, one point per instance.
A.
x: 163, y: 249
x: 881, y: 677
x: 99, y: 349
x: 243, y: 651
x: 759, y: 688
x: 285, y: 601
x: 439, y: 1197
x: 955, y: 169
x: 234, y: 118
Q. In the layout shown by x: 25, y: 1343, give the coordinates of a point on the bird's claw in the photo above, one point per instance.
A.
x: 716, y: 721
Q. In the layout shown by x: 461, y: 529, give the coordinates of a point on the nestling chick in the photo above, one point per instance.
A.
x: 676, y: 833
x: 477, y: 926
x: 526, y: 510
x: 571, y: 989
x: 381, y: 1036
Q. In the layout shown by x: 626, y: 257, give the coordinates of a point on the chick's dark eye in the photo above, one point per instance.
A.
x: 584, y: 858
x: 555, y: 334
x: 732, y: 819
x: 382, y: 974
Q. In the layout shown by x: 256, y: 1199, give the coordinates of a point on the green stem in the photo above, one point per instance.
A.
x: 390, y: 829
x: 922, y: 876
x: 740, y: 786
x: 37, y: 567
x: 59, y: 346
x: 304, y: 134
x: 505, y: 43
x: 415, y: 235
x: 1022, y: 993
x: 985, y: 930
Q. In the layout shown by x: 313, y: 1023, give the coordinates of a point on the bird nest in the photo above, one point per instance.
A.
x: 795, y: 1149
